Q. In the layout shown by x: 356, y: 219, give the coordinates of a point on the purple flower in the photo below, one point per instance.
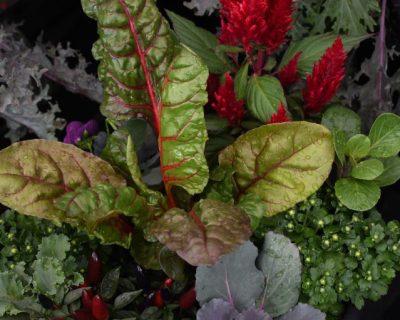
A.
x: 76, y: 130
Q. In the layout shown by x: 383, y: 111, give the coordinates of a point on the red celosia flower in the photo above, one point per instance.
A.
x: 226, y: 104
x: 325, y: 79
x: 243, y: 22
x: 289, y: 74
x: 280, y: 116
x: 259, y: 22
x: 279, y: 22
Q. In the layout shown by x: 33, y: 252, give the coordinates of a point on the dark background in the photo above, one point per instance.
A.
x: 64, y: 21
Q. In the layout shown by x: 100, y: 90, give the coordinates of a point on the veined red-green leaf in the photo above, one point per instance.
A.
x: 101, y: 210
x: 147, y: 73
x: 201, y: 236
x: 34, y: 173
x: 282, y: 163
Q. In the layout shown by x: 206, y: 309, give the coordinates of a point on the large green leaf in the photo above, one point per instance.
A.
x: 147, y: 73
x: 201, y: 41
x: 99, y: 211
x: 338, y: 118
x: 385, y: 136
x: 234, y: 278
x: 201, y: 236
x: 312, y: 48
x: 280, y: 262
x: 359, y: 195
x: 368, y: 169
x: 264, y: 95
x: 391, y: 174
x: 282, y: 163
x: 34, y: 173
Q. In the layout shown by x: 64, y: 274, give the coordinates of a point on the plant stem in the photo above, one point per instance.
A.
x: 381, y: 57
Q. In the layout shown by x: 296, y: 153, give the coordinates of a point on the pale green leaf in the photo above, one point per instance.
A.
x: 241, y: 80
x: 368, y: 170
x: 359, y: 195
x: 338, y: 118
x: 385, y: 136
x: 391, y: 174
x: 358, y: 146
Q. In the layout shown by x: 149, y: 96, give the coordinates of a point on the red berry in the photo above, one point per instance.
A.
x: 82, y: 315
x: 168, y: 282
x: 188, y: 299
x: 158, y: 300
x: 87, y: 299
x: 99, y: 308
x: 94, y: 274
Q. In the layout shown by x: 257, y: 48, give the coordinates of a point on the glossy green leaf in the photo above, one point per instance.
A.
x: 264, y: 95
x: 391, y: 174
x: 338, y: 118
x: 145, y: 253
x: 146, y: 73
x: 312, y: 48
x: 241, y: 81
x: 359, y: 195
x: 282, y: 163
x: 172, y: 265
x: 385, y: 136
x: 99, y: 211
x: 222, y: 185
x: 233, y: 278
x: 368, y: 169
x: 34, y: 173
x: 281, y: 264
x: 358, y: 146
x: 339, y: 142
x: 126, y: 298
x: 216, y: 123
x: 201, y: 236
x: 201, y: 41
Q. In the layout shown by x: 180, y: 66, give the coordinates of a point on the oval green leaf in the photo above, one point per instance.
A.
x: 264, y: 95
x: 385, y: 136
x: 358, y: 146
x: 359, y: 195
x: 282, y: 163
x: 338, y: 118
x: 391, y: 174
x: 368, y: 169
x: 34, y: 173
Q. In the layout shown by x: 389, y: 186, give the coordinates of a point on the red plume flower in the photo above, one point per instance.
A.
x: 279, y: 21
x: 289, y: 74
x: 259, y: 22
x: 280, y: 116
x: 243, y: 22
x: 325, y: 79
x: 226, y: 104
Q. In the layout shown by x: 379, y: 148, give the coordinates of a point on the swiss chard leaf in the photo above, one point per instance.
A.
x: 207, y: 232
x: 234, y: 278
x: 281, y: 265
x: 147, y: 73
x: 34, y: 173
x: 99, y: 211
x: 281, y: 163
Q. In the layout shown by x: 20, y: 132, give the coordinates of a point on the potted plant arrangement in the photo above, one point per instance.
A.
x: 232, y: 175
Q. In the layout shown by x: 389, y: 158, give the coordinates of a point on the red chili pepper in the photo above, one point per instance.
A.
x: 87, y: 299
x: 99, y: 308
x: 82, y: 315
x: 158, y: 300
x: 168, y: 282
x: 188, y: 299
x: 94, y: 274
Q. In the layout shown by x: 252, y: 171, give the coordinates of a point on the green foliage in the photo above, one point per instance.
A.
x: 347, y: 255
x: 264, y: 95
x: 281, y: 163
x: 52, y: 275
x: 365, y: 162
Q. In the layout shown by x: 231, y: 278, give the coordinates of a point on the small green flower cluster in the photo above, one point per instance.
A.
x: 347, y: 255
x: 21, y: 235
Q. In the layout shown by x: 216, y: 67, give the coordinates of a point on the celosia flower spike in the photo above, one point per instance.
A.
x: 226, y: 104
x: 243, y: 22
x: 325, y: 79
x: 280, y: 116
x: 289, y: 73
x: 279, y: 21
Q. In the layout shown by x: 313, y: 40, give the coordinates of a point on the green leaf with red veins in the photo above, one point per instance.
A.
x: 201, y: 236
x: 147, y: 73
x: 34, y: 173
x: 100, y: 211
x: 281, y: 163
